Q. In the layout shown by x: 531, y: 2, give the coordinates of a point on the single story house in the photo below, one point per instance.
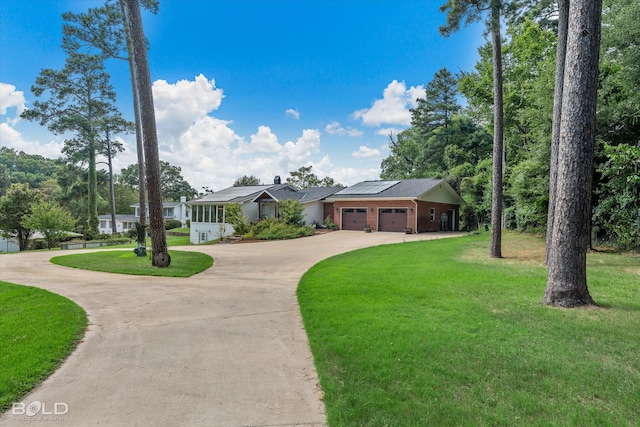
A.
x: 125, y: 222
x: 208, y: 221
x: 409, y: 205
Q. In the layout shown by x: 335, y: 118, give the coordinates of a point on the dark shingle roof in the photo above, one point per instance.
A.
x: 234, y: 194
x: 408, y: 188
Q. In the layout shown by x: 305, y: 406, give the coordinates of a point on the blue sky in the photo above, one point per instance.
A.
x: 252, y: 87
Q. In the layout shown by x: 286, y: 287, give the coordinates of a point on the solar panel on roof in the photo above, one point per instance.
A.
x: 368, y: 187
x: 233, y: 192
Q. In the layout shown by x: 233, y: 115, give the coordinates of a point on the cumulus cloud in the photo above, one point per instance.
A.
x: 335, y: 128
x: 264, y: 141
x: 11, y: 138
x: 292, y: 113
x: 394, y: 106
x: 297, y: 153
x: 180, y: 105
x: 364, y: 152
x: 11, y: 98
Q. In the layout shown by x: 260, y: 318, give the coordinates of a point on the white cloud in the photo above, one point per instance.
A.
x: 297, y: 153
x: 11, y: 98
x: 351, y: 176
x: 264, y: 141
x: 364, y: 152
x: 11, y: 138
x: 335, y: 128
x: 394, y: 106
x: 179, y: 105
x: 292, y: 113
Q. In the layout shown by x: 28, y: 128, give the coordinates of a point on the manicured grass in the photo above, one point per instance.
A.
x: 436, y: 333
x: 38, y: 330
x: 183, y: 263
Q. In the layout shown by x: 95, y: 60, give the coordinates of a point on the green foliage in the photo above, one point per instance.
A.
x: 171, y: 180
x: 304, y: 178
x: 52, y: 220
x: 38, y: 330
x: 617, y: 215
x: 291, y: 212
x: 276, y: 229
x: 15, y: 207
x: 22, y: 168
x: 246, y: 181
x: 170, y: 224
x: 328, y: 222
x: 235, y: 217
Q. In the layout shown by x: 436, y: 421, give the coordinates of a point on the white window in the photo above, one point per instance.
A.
x: 432, y: 214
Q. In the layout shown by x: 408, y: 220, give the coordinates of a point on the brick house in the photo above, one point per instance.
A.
x: 410, y: 205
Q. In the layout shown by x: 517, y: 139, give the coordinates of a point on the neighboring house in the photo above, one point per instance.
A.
x: 124, y: 223
x: 208, y: 214
x: 410, y: 205
x: 171, y: 210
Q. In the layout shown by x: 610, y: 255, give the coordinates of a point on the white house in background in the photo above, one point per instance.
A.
x: 208, y: 213
x: 171, y: 210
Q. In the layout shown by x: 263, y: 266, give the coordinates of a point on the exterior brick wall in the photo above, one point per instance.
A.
x: 422, y: 214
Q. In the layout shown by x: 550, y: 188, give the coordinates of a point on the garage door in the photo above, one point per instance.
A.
x: 354, y: 219
x: 392, y: 219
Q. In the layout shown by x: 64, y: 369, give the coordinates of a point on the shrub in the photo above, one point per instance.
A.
x: 170, y: 224
x: 291, y: 212
x: 233, y: 215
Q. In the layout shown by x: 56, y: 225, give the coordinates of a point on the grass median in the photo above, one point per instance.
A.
x: 38, y: 330
x: 437, y: 333
x: 183, y: 263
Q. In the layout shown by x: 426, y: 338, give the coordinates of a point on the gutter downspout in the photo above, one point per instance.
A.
x: 415, y: 219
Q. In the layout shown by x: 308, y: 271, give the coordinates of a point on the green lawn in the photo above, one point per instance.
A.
x: 38, y: 330
x: 183, y: 263
x: 436, y: 333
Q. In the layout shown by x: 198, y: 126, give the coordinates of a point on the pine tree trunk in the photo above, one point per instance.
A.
x: 142, y: 181
x: 563, y: 22
x: 160, y: 256
x: 498, y: 133
x: 567, y: 278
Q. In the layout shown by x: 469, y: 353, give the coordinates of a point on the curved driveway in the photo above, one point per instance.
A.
x: 225, y: 347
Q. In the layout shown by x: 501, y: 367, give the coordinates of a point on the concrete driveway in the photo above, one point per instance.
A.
x: 224, y: 348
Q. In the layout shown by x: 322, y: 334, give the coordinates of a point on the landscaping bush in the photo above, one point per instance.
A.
x: 275, y: 229
x: 170, y: 224
x: 234, y: 216
x: 291, y: 212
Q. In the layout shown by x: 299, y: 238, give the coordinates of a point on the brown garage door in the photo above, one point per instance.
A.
x: 354, y: 219
x: 392, y: 219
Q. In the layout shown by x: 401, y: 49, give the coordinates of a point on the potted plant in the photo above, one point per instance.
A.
x: 367, y: 228
x: 408, y: 230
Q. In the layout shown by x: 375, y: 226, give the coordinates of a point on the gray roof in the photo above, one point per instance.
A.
x: 318, y: 193
x: 120, y: 217
x: 307, y: 195
x: 235, y: 194
x: 404, y: 189
x: 164, y: 204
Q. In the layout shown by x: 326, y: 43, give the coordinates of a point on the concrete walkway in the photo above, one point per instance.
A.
x: 225, y: 347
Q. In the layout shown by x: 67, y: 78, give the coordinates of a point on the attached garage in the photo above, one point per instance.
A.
x: 354, y: 218
x: 392, y: 219
x: 418, y: 205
